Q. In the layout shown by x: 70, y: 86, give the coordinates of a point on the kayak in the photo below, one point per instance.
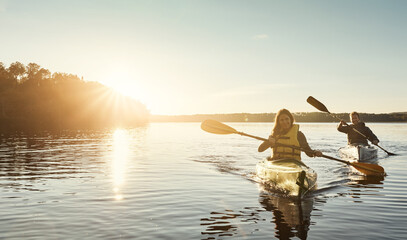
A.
x: 358, y: 152
x: 287, y: 176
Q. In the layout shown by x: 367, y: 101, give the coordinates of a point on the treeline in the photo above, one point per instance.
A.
x: 33, y: 98
x: 269, y: 117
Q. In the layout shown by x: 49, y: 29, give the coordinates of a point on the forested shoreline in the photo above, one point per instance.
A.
x: 33, y: 98
x: 269, y: 117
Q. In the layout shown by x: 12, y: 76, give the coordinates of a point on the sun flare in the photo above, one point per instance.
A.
x: 127, y: 83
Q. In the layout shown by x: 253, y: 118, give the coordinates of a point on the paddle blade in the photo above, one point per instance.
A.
x: 317, y: 104
x: 213, y: 126
x: 264, y: 146
x: 368, y: 169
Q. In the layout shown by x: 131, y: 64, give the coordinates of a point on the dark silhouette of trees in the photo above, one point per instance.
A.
x: 31, y: 98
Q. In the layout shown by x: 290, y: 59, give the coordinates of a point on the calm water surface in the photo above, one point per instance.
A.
x: 175, y: 181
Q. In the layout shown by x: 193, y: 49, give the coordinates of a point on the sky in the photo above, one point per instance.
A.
x: 224, y: 56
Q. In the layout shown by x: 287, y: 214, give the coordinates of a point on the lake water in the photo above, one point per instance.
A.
x: 175, y: 181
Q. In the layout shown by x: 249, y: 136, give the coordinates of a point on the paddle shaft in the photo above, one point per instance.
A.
x: 252, y: 136
x: 294, y: 147
x: 310, y: 151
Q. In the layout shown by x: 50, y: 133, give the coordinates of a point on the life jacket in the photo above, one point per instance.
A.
x: 290, y: 138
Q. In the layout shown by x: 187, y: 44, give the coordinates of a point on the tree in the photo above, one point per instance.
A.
x: 17, y: 71
x: 36, y: 74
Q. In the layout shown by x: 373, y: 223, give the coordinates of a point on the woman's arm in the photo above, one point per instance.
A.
x: 304, y: 144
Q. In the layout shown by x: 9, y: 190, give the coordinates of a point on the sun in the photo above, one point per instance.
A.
x: 128, y: 83
x: 122, y: 82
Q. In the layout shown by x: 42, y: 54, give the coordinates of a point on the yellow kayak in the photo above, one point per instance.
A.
x: 288, y: 176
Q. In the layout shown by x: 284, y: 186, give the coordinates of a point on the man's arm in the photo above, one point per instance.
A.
x: 343, y: 127
x: 371, y: 136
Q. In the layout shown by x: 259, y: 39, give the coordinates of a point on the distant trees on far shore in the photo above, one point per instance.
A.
x: 269, y: 117
x: 33, y: 98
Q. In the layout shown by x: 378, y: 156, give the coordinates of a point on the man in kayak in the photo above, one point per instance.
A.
x: 286, y: 132
x: 353, y: 136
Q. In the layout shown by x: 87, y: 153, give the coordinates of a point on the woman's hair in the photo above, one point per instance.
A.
x: 277, y: 128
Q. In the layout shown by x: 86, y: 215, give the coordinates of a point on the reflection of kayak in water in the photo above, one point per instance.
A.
x: 287, y: 176
x: 359, y: 152
x: 292, y: 217
x: 366, y: 181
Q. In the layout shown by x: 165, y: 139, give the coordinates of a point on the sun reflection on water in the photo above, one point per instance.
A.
x: 120, y: 155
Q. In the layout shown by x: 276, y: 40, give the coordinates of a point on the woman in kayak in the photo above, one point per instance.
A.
x: 353, y: 136
x: 286, y: 132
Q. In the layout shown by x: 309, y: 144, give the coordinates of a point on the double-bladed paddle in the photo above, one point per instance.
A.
x: 213, y: 126
x: 321, y: 107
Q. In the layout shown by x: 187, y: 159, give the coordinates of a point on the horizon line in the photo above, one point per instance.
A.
x: 404, y: 112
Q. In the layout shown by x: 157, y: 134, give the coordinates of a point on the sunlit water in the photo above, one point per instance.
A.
x: 175, y: 181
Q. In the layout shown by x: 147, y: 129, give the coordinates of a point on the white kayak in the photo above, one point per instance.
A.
x: 358, y: 152
x: 287, y: 176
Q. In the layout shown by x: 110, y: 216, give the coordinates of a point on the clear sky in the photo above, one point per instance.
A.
x: 221, y: 56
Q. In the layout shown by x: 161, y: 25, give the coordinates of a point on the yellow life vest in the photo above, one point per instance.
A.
x: 290, y: 138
